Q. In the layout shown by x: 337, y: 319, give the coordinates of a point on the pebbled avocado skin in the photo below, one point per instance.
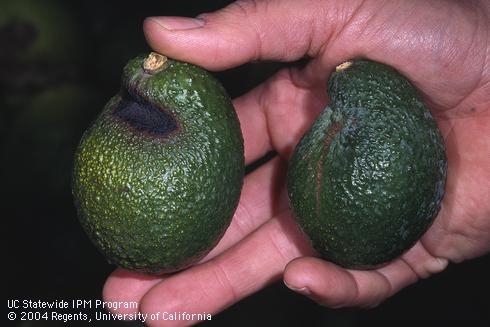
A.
x: 158, y: 175
x: 367, y: 179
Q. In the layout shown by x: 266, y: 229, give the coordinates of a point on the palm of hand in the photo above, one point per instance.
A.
x: 263, y: 243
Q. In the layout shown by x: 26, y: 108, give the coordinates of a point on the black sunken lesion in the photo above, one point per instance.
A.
x: 146, y: 117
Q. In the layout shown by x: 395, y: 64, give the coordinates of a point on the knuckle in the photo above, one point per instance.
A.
x: 225, y: 282
x: 243, y: 219
x: 245, y: 8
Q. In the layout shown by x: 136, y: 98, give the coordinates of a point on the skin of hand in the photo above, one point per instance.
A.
x: 443, y: 47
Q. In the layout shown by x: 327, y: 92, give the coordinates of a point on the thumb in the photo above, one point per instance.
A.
x: 246, y: 31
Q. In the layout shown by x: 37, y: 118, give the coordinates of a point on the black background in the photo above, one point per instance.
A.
x: 46, y: 253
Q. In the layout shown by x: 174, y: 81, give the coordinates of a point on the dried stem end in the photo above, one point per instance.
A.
x: 154, y: 63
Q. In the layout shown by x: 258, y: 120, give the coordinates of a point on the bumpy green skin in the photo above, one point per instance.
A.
x: 158, y: 203
x: 366, y: 181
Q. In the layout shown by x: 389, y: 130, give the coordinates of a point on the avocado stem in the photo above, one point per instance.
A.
x: 154, y: 63
x: 343, y: 66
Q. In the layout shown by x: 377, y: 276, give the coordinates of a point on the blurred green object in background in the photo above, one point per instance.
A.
x: 39, y: 148
x: 33, y: 31
x: 42, y: 44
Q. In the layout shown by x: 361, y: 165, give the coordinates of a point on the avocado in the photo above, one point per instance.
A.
x: 367, y: 179
x: 157, y: 177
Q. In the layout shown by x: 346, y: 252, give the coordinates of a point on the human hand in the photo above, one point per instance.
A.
x: 443, y: 47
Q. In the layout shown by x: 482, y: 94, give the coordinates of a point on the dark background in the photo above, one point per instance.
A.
x: 59, y: 62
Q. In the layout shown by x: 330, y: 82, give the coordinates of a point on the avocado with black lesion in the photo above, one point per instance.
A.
x: 366, y: 181
x: 158, y: 175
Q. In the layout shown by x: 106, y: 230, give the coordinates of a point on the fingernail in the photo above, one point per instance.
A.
x: 437, y: 265
x: 177, y: 23
x: 301, y: 290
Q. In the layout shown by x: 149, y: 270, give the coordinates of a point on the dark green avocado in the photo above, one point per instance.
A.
x: 367, y: 179
x: 158, y: 175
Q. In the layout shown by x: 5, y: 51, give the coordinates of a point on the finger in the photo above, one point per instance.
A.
x: 249, y: 266
x: 246, y: 31
x: 422, y: 262
x: 457, y: 228
x: 128, y: 287
x: 263, y: 196
x: 333, y: 286
x: 253, y: 123
x: 277, y: 113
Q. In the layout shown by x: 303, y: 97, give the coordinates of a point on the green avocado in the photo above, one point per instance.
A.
x: 158, y: 175
x: 367, y: 179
